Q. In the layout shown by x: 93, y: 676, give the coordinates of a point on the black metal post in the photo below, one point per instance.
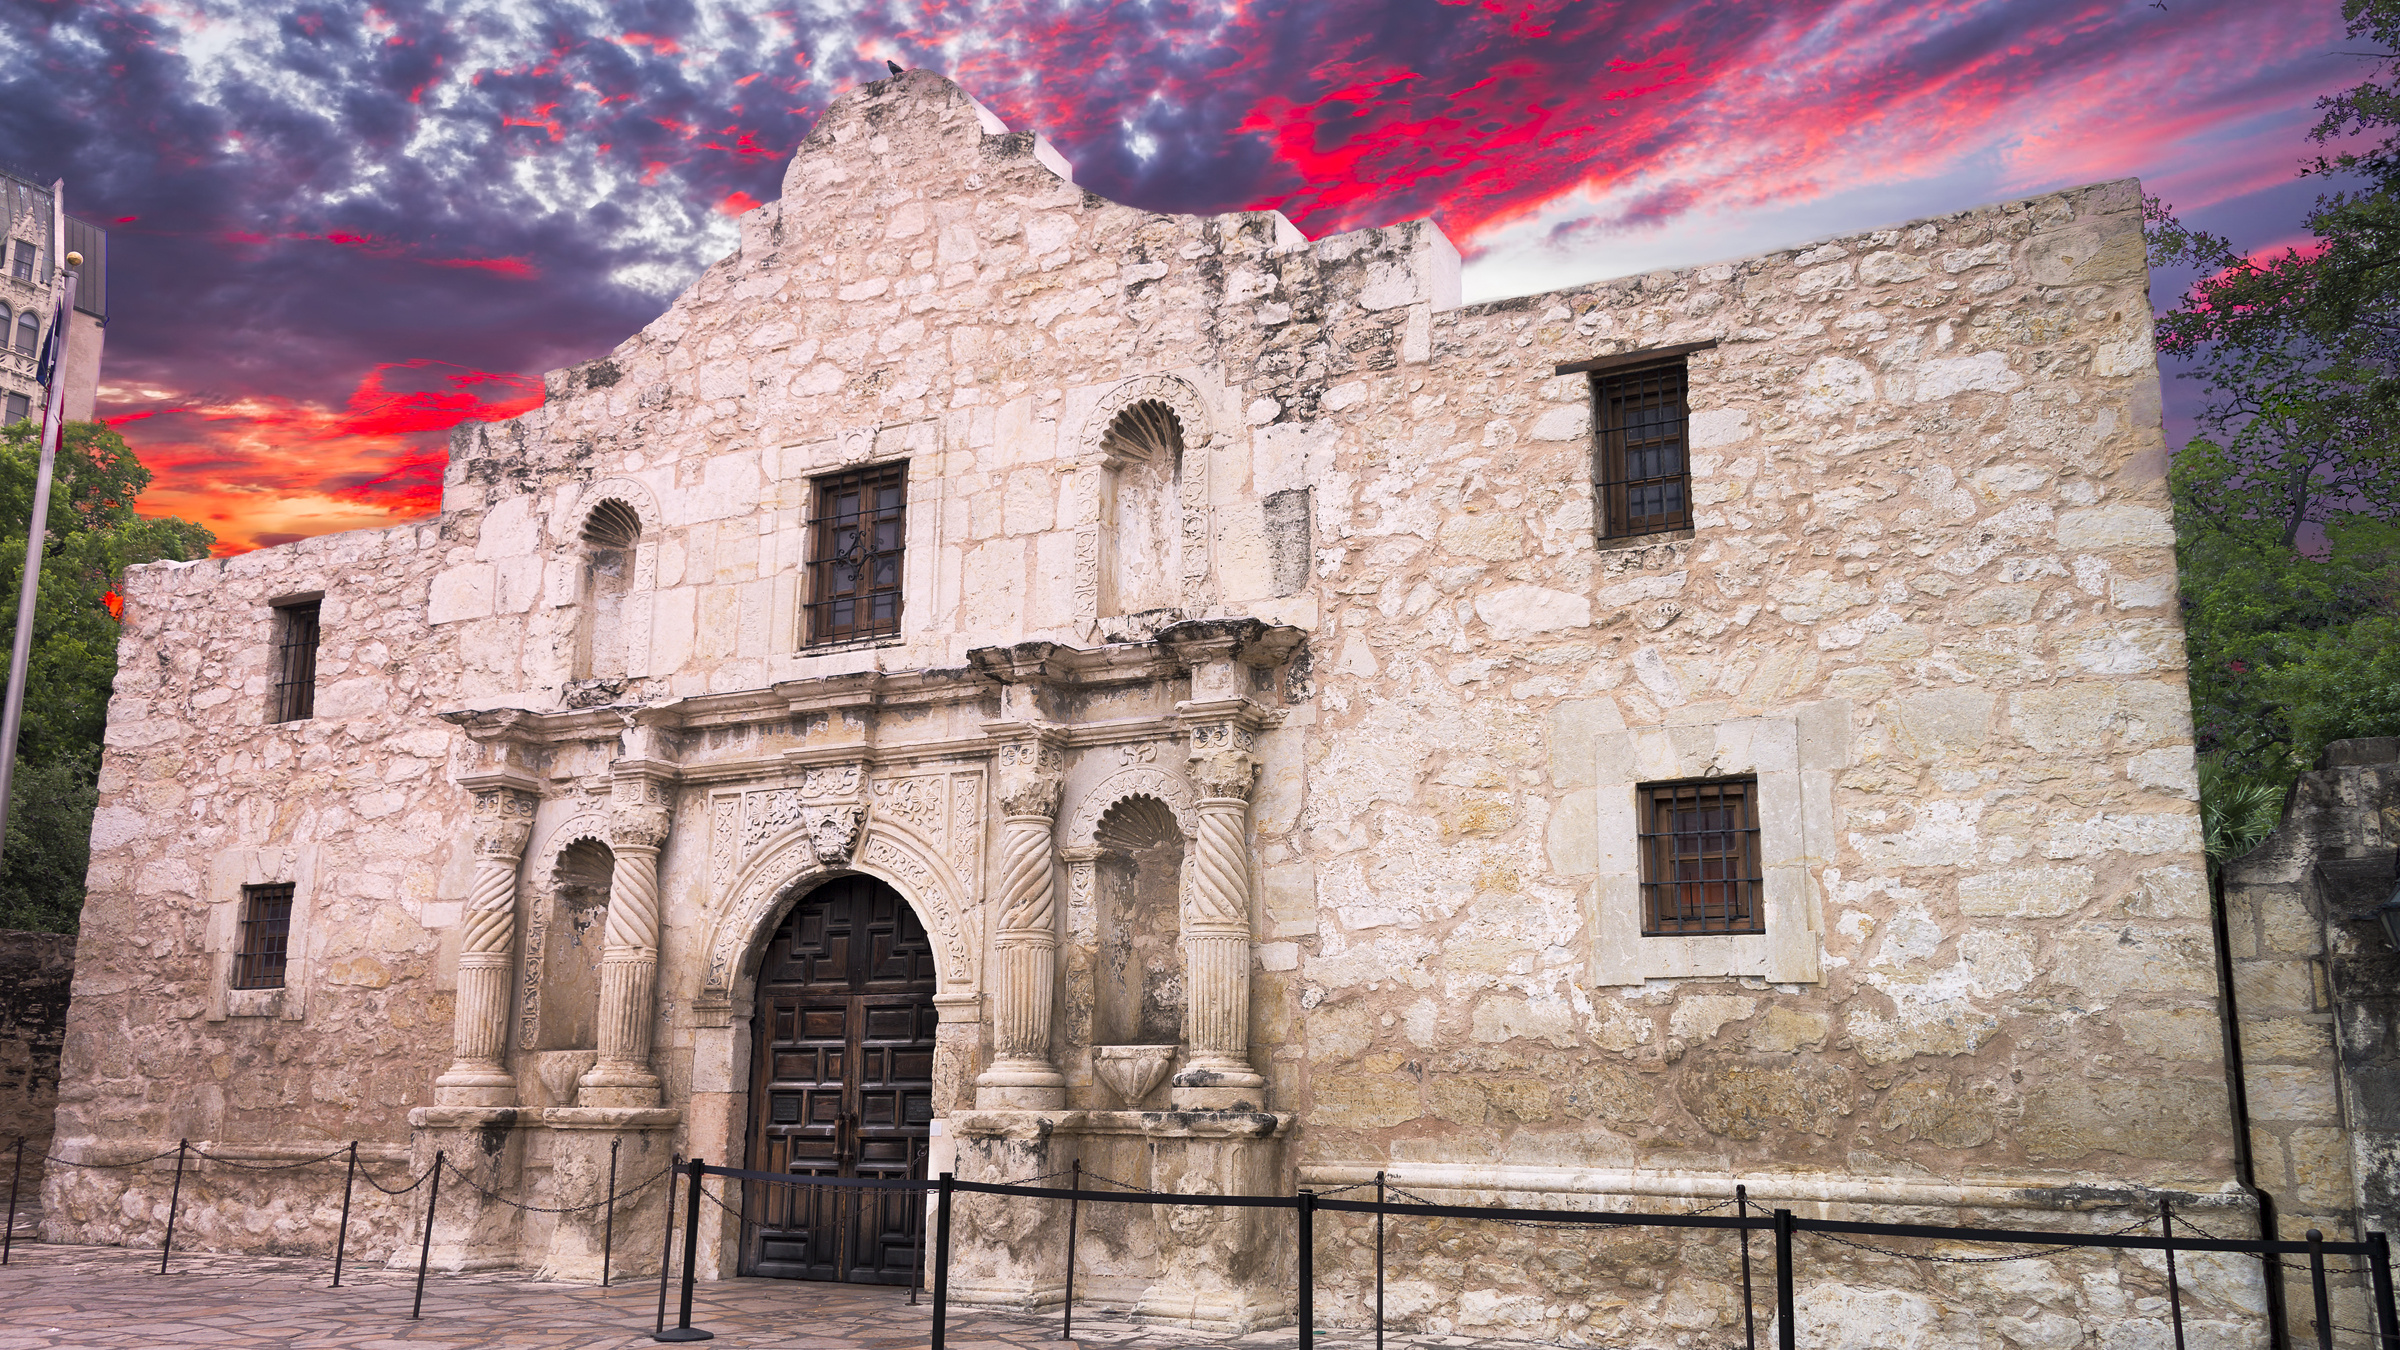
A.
x: 666, y: 1255
x: 1741, y: 1206
x: 341, y: 1235
x: 174, y: 1202
x: 916, y: 1255
x: 683, y: 1330
x: 2387, y: 1316
x: 16, y: 1172
x: 2319, y: 1289
x: 1308, y: 1270
x: 1066, y: 1324
x: 1787, y: 1328
x: 1379, y: 1262
x: 433, y: 1198
x: 608, y: 1226
x: 941, y: 1264
x: 2166, y: 1229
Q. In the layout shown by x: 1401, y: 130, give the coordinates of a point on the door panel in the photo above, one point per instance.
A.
x: 842, y: 1086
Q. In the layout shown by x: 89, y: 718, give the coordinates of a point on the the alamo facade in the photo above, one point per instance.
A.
x: 993, y: 677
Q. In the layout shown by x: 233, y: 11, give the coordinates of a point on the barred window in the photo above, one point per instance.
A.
x: 295, y: 695
x: 266, y: 933
x: 855, y: 534
x: 1644, y: 475
x: 1700, y: 871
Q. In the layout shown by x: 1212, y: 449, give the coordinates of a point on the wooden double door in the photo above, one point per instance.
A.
x: 841, y: 1086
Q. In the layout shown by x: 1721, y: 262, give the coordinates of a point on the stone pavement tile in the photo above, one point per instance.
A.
x: 102, y: 1298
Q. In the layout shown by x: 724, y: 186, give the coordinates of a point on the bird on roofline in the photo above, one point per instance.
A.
x: 896, y: 70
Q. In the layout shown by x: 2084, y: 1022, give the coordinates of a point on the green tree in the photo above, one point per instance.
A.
x: 2285, y: 508
x: 94, y: 535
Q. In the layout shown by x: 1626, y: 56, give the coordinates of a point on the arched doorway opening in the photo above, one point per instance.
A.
x: 841, y: 1084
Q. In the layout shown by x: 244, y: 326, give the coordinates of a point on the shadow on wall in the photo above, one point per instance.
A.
x: 36, y: 973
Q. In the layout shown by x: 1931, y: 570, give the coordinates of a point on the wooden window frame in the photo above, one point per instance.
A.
x: 262, y: 952
x: 1701, y: 876
x: 1643, y: 483
x: 297, y: 633
x: 853, y: 542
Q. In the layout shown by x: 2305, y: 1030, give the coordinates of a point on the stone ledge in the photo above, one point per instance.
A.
x: 612, y: 1117
x: 1149, y: 1124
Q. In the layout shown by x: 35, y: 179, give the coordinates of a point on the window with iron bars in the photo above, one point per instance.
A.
x: 856, y: 530
x: 266, y: 936
x: 295, y: 695
x: 1700, y: 871
x: 1643, y: 474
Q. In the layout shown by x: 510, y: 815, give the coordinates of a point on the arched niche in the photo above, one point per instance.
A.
x: 1141, y: 510
x: 1137, y: 886
x: 611, y: 542
x: 569, y: 980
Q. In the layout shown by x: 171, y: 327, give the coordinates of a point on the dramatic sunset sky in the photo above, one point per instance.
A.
x: 337, y: 230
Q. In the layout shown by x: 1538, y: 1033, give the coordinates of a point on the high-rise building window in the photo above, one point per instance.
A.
x: 23, y: 265
x: 295, y: 694
x: 20, y: 409
x: 29, y: 334
x: 856, y: 530
x: 266, y: 937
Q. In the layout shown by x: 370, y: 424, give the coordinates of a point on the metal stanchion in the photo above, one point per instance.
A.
x: 1308, y: 1273
x: 666, y: 1255
x: 2316, y: 1282
x: 608, y: 1226
x: 341, y: 1235
x: 1741, y: 1206
x: 1066, y: 1326
x: 2387, y: 1316
x: 1787, y: 1330
x: 425, y: 1245
x: 916, y: 1258
x: 174, y: 1202
x: 683, y: 1330
x: 941, y: 1264
x: 2166, y: 1229
x: 1379, y: 1263
x: 16, y: 1172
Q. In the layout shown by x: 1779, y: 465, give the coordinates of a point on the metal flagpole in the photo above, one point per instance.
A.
x: 36, y: 532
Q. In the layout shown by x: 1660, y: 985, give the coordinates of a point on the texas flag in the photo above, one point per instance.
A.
x: 53, y: 343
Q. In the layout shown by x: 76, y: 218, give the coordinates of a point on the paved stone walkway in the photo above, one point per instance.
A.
x: 111, y: 1298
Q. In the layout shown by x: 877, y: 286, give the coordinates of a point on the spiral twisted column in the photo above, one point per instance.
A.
x: 637, y: 828
x: 1216, y: 1074
x: 1022, y: 1076
x: 501, y: 825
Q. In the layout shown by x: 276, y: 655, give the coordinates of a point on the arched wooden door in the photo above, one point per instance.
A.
x: 841, y: 1085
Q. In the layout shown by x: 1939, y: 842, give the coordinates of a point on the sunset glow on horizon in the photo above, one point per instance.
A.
x: 336, y: 232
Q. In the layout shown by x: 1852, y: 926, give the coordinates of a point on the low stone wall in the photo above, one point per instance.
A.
x: 36, y: 972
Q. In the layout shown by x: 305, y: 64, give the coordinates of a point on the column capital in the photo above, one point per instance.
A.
x: 502, y: 823
x: 641, y: 810
x: 1030, y: 766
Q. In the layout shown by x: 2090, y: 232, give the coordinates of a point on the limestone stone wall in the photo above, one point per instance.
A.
x: 35, y: 971
x: 1927, y: 600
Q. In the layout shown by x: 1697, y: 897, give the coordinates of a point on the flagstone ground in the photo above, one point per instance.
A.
x: 112, y: 1298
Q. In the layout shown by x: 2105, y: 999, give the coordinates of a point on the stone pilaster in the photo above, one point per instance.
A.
x: 1022, y: 1075
x: 639, y: 816
x: 1216, y: 928
x: 501, y: 825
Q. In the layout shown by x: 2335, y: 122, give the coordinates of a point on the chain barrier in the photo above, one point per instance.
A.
x: 271, y: 1167
x: 2271, y: 1259
x: 1120, y: 1185
x: 108, y: 1167
x: 489, y: 1194
x: 1415, y: 1198
x: 370, y: 1180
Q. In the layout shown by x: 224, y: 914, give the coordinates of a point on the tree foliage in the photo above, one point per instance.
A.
x: 2286, y: 506
x: 94, y: 535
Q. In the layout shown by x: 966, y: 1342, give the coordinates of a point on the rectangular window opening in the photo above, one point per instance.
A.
x: 295, y: 697
x: 266, y: 934
x: 1700, y: 870
x: 20, y: 409
x: 1644, y: 474
x: 856, y: 530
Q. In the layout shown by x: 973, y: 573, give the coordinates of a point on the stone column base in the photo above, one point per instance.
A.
x: 1204, y: 1268
x: 470, y: 1230
x: 1020, y: 1085
x: 1217, y: 1083
x: 580, y: 1136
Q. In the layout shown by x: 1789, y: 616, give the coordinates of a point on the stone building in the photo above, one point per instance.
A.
x: 36, y: 235
x: 994, y: 678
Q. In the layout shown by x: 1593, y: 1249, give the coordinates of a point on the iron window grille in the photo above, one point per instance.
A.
x: 295, y: 662
x: 266, y: 936
x: 856, y: 531
x: 1700, y: 871
x: 1644, y: 475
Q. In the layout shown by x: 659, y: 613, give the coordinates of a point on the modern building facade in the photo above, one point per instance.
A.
x: 38, y: 236
x: 993, y: 678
